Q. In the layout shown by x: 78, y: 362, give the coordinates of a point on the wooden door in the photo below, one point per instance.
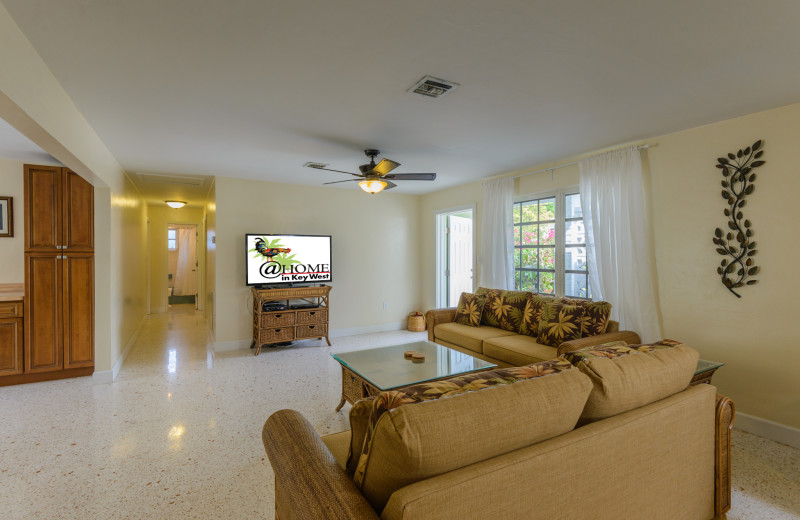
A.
x: 43, y: 325
x: 10, y: 346
x: 78, y: 213
x: 78, y: 313
x: 43, y: 230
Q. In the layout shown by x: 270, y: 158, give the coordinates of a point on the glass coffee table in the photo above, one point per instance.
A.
x: 368, y: 372
x: 705, y: 369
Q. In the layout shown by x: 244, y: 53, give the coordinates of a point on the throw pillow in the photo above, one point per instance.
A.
x: 595, y: 315
x: 559, y: 323
x: 533, y: 313
x: 470, y: 309
x: 625, y: 377
x: 504, y: 309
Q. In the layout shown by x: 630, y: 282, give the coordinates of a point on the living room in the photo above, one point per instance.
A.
x: 384, y: 246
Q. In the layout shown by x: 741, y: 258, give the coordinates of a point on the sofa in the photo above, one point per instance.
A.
x: 505, y: 341
x: 607, y: 432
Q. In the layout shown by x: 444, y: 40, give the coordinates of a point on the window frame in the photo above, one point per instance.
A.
x: 173, y: 240
x: 560, y: 196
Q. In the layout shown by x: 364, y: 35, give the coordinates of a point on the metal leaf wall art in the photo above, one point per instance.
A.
x: 736, y: 245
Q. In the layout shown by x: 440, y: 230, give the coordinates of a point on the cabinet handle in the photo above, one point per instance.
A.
x: 311, y: 313
x: 277, y: 330
x: 311, y: 326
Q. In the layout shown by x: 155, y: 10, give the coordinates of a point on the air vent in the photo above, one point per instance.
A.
x: 433, y: 87
x: 317, y: 165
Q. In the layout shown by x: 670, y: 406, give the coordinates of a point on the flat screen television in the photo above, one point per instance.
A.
x: 287, y: 259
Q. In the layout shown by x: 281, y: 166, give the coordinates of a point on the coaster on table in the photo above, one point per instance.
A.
x: 409, y: 353
x: 418, y: 357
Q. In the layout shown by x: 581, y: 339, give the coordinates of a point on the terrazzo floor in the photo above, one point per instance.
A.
x: 178, y: 434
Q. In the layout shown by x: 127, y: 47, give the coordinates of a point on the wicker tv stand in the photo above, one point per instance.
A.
x: 287, y: 325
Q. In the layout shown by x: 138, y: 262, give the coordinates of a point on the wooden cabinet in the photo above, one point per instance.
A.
x: 292, y: 323
x: 58, y: 338
x: 11, y: 338
x: 59, y: 210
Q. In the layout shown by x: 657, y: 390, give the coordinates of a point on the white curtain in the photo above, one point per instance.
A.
x: 618, y: 252
x: 497, y: 234
x: 186, y: 273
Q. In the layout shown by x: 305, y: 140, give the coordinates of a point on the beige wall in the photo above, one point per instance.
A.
x: 210, y: 216
x: 12, y: 249
x: 756, y: 335
x: 375, y: 250
x: 159, y: 216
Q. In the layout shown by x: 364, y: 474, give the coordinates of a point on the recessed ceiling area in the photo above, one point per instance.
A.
x: 257, y: 89
x: 157, y: 188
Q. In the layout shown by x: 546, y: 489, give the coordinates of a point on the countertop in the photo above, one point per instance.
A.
x: 10, y: 292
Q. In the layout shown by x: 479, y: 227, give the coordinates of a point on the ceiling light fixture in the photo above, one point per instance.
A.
x: 372, y: 186
x: 177, y: 204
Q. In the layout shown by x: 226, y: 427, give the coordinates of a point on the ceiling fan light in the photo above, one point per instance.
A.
x: 177, y: 204
x: 372, y: 186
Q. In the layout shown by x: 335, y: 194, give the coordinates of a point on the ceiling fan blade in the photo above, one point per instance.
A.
x: 338, y: 171
x: 411, y: 176
x: 389, y: 185
x: 385, y: 166
x: 337, y: 182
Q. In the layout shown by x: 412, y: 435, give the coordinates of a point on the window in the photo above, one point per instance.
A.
x: 550, y: 245
x: 172, y: 239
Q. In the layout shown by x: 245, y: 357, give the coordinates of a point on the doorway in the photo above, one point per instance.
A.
x: 182, y: 265
x: 455, y: 256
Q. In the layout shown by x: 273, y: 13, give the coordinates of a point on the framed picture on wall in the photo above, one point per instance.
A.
x: 6, y: 217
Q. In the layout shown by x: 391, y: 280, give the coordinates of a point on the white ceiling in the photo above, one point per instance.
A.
x: 255, y: 89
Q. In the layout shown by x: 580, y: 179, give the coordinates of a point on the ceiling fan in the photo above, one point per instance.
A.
x: 375, y: 178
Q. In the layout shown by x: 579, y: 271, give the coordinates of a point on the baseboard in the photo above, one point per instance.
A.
x: 108, y: 376
x: 241, y: 344
x: 768, y: 429
x: 237, y: 344
x: 369, y: 329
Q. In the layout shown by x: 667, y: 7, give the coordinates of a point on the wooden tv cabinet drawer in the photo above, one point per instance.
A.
x: 312, y: 316
x: 312, y: 331
x: 11, y: 309
x: 277, y: 319
x: 279, y: 334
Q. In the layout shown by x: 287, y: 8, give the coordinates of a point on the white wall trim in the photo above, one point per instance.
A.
x: 241, y: 344
x: 108, y: 376
x: 768, y: 429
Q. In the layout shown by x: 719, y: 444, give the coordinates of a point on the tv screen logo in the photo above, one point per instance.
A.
x: 288, y: 259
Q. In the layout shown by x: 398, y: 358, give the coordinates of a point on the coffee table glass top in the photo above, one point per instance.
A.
x: 704, y: 366
x: 387, y: 368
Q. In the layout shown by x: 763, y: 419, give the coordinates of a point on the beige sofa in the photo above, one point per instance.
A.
x: 504, y: 445
x: 506, y: 348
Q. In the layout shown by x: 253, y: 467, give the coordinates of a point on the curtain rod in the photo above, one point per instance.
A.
x: 573, y: 163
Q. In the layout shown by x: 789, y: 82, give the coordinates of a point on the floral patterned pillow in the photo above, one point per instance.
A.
x: 560, y: 322
x: 504, y: 309
x: 470, y: 309
x: 533, y: 313
x: 595, y: 315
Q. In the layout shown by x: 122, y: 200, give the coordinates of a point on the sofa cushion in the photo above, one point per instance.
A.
x: 504, y: 309
x: 627, y: 377
x: 595, y: 315
x: 470, y: 309
x: 533, y: 313
x: 560, y: 322
x: 518, y: 350
x: 433, y: 428
x: 468, y: 337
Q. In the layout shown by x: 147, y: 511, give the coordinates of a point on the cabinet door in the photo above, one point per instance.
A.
x: 10, y: 346
x: 78, y: 213
x: 78, y: 314
x: 43, y: 229
x: 43, y: 329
